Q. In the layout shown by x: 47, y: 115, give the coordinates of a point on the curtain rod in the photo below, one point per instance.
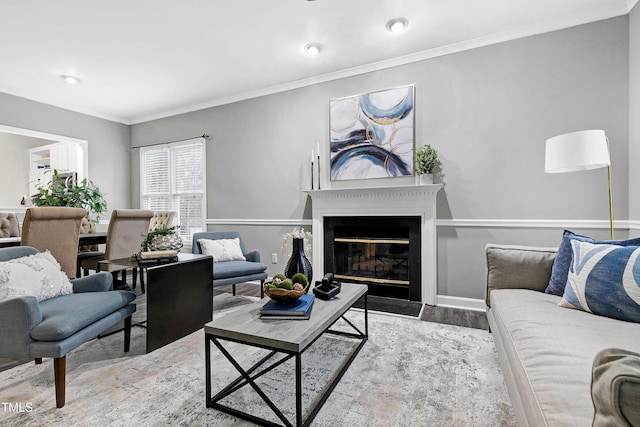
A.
x: 204, y: 135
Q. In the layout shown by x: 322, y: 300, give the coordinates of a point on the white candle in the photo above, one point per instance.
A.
x: 318, y: 149
x: 312, y: 154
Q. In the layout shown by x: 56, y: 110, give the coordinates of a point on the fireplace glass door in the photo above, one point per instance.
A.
x: 372, y: 260
x: 380, y: 252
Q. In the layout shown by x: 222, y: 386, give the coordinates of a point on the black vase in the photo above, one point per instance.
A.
x: 298, y: 263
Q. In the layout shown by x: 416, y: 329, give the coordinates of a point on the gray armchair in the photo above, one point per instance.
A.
x: 52, y: 328
x: 232, y: 272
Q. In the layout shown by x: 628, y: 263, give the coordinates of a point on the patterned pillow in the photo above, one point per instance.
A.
x: 222, y: 249
x: 604, y: 280
x: 560, y: 268
x: 38, y: 275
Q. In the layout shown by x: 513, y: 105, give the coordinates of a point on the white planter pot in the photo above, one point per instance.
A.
x: 426, y: 178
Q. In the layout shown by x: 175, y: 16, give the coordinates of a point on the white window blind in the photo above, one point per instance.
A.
x: 173, y: 178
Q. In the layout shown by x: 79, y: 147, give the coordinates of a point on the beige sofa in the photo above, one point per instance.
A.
x: 547, y: 352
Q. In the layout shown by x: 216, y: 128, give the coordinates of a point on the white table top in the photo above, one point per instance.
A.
x: 246, y: 325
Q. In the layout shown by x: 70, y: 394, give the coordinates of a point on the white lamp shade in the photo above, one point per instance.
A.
x: 577, y: 151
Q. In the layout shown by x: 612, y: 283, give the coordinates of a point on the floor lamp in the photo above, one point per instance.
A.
x: 579, y: 151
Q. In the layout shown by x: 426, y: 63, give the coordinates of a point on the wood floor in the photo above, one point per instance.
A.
x: 455, y: 316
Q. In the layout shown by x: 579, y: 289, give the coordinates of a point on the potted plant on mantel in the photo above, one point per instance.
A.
x: 61, y: 192
x: 426, y: 162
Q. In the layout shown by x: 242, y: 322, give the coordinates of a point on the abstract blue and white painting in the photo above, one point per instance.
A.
x: 372, y: 135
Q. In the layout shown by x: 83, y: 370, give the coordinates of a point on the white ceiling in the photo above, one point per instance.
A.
x: 145, y: 59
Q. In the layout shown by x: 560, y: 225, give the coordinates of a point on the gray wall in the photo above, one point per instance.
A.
x: 488, y: 111
x: 108, y: 142
x: 634, y: 118
x: 14, y: 167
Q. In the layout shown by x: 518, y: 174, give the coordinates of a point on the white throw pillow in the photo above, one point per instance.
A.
x: 222, y: 249
x: 38, y: 275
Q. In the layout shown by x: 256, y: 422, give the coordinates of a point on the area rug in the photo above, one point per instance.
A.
x: 409, y: 373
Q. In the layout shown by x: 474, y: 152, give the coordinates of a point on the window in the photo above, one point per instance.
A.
x: 172, y: 178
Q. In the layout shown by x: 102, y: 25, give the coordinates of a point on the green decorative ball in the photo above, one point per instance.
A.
x: 300, y: 278
x: 286, y: 285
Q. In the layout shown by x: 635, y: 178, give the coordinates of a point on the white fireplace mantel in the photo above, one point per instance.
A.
x: 407, y: 200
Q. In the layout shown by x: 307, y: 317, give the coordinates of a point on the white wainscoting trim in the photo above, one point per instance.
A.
x: 461, y: 303
x: 533, y: 223
x: 456, y: 223
x: 259, y: 221
x: 20, y: 209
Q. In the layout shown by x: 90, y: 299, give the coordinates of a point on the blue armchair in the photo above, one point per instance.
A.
x: 232, y: 272
x: 52, y: 328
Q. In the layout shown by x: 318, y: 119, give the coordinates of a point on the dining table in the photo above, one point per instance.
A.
x: 85, y: 239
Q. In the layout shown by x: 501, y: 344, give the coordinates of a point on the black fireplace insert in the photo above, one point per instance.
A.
x: 381, y: 252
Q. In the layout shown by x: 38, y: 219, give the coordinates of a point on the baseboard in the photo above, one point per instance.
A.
x: 461, y: 303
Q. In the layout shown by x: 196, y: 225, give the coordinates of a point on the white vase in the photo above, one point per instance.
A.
x: 425, y: 178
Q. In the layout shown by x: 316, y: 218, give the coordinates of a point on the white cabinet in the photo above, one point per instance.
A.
x: 63, y: 157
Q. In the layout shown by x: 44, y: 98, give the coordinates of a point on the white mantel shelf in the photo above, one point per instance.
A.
x: 406, y: 200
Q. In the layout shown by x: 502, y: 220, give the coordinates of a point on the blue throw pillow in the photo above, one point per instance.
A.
x: 560, y: 268
x: 604, y: 280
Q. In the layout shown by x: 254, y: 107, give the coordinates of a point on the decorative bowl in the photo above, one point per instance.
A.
x: 284, y: 295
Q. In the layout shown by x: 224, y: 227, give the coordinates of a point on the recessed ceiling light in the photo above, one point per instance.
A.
x: 70, y: 79
x: 397, y: 25
x: 312, y: 49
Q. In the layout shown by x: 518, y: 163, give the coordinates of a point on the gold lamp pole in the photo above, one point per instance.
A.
x: 578, y: 151
x: 610, y: 191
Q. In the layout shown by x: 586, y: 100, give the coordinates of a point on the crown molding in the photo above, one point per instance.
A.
x: 69, y: 107
x: 548, y: 26
x: 517, y: 33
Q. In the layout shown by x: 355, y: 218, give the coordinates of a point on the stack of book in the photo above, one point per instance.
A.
x: 298, y: 309
x: 157, y: 257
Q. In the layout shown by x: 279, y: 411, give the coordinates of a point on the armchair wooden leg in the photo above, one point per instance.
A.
x: 38, y: 360
x: 59, y: 375
x: 127, y: 333
x: 233, y: 290
x: 135, y: 277
x: 262, y: 288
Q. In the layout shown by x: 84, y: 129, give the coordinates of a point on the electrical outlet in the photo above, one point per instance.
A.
x: 274, y: 258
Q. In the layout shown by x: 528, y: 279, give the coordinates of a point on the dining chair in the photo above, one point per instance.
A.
x: 161, y: 219
x: 9, y: 225
x: 56, y: 229
x: 86, y: 251
x: 127, y: 228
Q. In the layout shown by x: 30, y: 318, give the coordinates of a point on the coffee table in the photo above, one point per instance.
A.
x: 245, y: 326
x: 179, y: 297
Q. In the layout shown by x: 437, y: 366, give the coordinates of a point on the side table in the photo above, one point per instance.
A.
x: 179, y: 297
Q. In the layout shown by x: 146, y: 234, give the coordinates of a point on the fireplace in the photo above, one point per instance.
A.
x: 398, y: 203
x: 381, y: 252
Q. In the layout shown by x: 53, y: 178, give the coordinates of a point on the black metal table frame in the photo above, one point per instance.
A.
x: 246, y: 377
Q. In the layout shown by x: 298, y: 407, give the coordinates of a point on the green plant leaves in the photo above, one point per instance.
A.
x: 84, y: 194
x: 426, y: 159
